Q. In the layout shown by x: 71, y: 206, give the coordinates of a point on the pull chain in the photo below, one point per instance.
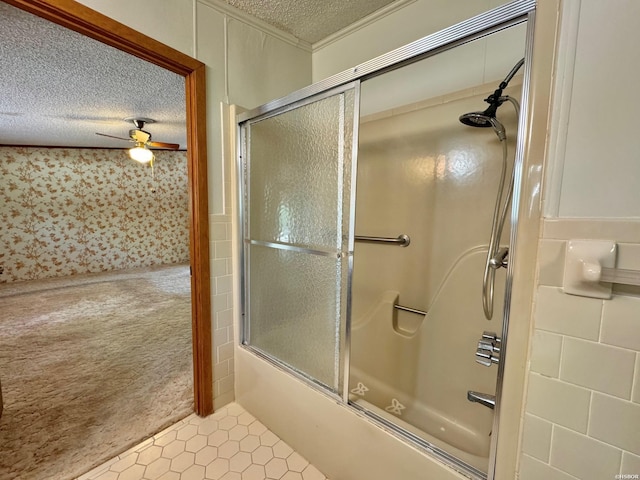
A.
x: 153, y: 176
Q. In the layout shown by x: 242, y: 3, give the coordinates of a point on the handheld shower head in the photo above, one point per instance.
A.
x: 485, y: 119
x: 488, y: 117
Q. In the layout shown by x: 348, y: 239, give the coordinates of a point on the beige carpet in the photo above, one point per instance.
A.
x: 90, y: 365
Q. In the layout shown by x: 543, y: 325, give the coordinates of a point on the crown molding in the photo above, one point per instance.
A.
x: 244, y: 17
x: 364, y: 22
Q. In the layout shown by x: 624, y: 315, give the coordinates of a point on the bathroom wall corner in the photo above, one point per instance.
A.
x: 526, y: 242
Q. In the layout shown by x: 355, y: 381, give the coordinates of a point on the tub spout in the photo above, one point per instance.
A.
x: 482, y: 398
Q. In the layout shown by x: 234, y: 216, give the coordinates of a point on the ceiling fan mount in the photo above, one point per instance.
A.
x: 141, y: 137
x: 139, y: 122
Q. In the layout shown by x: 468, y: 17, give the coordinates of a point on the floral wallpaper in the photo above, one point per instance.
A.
x: 66, y: 211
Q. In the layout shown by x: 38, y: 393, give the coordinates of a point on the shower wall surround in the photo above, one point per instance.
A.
x: 583, y: 400
x: 70, y: 211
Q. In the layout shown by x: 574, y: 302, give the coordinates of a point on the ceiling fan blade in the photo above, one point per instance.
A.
x: 111, y: 136
x: 168, y: 146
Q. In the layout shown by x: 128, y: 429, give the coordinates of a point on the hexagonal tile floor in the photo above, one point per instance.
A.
x: 228, y: 445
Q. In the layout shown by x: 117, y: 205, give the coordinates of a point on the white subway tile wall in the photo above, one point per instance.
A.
x: 559, y: 402
x: 582, y: 456
x: 620, y: 323
x: 532, y: 469
x: 546, y: 353
x: 616, y: 422
x: 537, y: 437
x: 568, y: 314
x: 598, y: 367
x: 635, y: 396
x: 222, y: 308
x: 582, y: 417
x: 630, y: 462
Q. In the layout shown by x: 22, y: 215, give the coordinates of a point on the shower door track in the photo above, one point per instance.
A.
x: 450, y: 460
x: 477, y: 27
x: 486, y: 23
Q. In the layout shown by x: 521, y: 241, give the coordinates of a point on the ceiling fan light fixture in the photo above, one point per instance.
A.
x: 141, y: 154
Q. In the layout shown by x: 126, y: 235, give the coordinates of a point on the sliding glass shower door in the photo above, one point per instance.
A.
x: 398, y: 332
x: 298, y: 163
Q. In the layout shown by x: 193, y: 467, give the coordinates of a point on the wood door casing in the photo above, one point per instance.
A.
x: 86, y: 21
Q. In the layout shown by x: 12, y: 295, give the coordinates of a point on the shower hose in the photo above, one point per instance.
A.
x: 497, y: 224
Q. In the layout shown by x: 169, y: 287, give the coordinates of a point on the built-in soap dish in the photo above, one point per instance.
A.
x: 407, y: 321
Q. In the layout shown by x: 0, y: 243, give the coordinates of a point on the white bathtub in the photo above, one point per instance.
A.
x: 433, y: 426
x: 416, y: 370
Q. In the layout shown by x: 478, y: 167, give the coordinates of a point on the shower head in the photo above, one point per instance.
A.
x: 481, y: 119
x: 485, y: 119
x: 488, y: 117
x: 475, y: 119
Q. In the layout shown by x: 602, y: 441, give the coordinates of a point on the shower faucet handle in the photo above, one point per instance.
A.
x: 485, y: 345
x: 488, y: 351
x: 483, y: 361
x: 491, y: 336
x: 486, y: 358
x: 488, y: 346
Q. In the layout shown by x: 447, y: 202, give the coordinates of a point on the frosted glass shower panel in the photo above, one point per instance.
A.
x: 297, y: 165
x: 294, y: 304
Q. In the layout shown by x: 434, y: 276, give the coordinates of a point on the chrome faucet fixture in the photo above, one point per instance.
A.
x: 488, y: 351
x: 482, y: 398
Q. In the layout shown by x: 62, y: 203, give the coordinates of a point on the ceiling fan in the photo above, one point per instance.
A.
x: 141, y: 152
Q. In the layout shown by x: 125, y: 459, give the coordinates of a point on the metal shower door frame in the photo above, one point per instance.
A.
x: 244, y: 161
x: 487, y: 23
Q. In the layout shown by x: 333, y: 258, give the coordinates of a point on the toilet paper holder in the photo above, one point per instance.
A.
x: 589, y: 269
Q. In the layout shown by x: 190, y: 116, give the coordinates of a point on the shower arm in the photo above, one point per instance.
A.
x: 496, y: 97
x: 511, y: 74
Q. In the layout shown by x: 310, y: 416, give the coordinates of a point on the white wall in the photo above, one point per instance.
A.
x: 262, y: 67
x: 598, y: 164
x: 168, y: 22
x: 479, y: 62
x: 584, y: 376
x: 403, y: 26
x: 583, y: 399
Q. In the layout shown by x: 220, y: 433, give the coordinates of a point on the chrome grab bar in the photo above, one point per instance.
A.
x: 410, y: 310
x: 402, y: 240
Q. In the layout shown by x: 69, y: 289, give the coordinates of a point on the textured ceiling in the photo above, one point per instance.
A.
x: 309, y: 20
x: 58, y: 88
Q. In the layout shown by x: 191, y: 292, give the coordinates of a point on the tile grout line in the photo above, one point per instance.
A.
x: 250, y: 450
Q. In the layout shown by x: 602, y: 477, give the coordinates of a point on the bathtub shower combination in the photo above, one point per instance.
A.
x: 378, y: 228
